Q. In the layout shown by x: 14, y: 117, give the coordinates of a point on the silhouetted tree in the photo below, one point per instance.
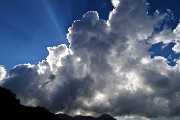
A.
x: 11, y: 109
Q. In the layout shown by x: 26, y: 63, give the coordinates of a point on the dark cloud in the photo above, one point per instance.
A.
x: 107, y: 68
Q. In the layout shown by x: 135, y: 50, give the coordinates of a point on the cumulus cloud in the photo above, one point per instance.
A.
x: 144, y: 118
x: 132, y: 118
x: 2, y: 73
x: 167, y: 36
x: 176, y: 48
x: 106, y: 69
x: 115, y: 3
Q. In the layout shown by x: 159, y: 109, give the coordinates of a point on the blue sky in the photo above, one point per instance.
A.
x: 28, y: 27
x: 123, y: 58
x: 172, y: 22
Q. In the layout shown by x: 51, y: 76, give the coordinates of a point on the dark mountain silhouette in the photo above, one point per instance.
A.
x: 105, y: 117
x: 11, y: 109
x: 64, y: 116
x: 80, y: 117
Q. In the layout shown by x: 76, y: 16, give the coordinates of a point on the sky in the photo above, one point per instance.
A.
x: 91, y: 57
x: 28, y: 27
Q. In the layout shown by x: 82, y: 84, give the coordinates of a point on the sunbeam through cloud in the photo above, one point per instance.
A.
x: 121, y: 66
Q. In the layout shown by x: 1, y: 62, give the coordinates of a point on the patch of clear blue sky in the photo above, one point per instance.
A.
x: 171, y: 22
x: 159, y: 49
x: 28, y: 27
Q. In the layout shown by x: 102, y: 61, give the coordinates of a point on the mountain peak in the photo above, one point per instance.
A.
x: 105, y: 117
x: 81, y: 117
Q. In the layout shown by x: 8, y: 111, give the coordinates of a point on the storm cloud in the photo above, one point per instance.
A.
x: 106, y: 69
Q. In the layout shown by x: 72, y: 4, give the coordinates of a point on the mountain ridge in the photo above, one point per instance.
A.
x: 10, y: 109
x: 81, y: 117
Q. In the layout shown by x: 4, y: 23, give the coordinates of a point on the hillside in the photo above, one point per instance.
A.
x: 10, y: 109
x: 80, y: 117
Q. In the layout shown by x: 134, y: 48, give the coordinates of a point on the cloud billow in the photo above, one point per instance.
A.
x: 2, y: 72
x: 106, y: 69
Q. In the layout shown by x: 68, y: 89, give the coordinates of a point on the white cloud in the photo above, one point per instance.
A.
x: 166, y: 36
x: 107, y: 68
x: 55, y: 56
x: 115, y: 2
x: 177, y: 31
x: 132, y: 118
x: 145, y: 118
x: 176, y: 47
x: 2, y: 73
